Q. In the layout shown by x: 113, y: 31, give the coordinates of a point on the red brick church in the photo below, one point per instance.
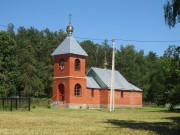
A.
x: 73, y: 88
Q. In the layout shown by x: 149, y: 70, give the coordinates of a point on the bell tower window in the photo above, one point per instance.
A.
x: 77, y: 90
x: 61, y: 64
x: 77, y: 65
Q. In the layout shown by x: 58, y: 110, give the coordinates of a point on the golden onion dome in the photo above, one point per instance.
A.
x: 69, y: 30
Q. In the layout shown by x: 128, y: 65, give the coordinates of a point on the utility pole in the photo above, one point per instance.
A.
x: 112, y: 80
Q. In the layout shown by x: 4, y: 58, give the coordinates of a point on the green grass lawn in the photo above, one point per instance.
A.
x: 42, y: 121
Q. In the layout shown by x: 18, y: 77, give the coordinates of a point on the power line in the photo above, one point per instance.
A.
x: 120, y: 39
x: 133, y: 40
x: 3, y: 25
x: 162, y: 41
x: 92, y: 38
x: 7, y: 26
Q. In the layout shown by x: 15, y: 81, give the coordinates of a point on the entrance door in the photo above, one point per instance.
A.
x: 61, y: 92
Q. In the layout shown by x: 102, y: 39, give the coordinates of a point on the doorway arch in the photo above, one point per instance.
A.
x: 61, y: 92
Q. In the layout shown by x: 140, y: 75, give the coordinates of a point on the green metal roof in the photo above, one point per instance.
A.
x: 103, y: 78
x: 91, y: 83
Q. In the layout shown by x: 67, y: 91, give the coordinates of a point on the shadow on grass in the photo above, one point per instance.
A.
x: 167, y: 111
x: 162, y: 128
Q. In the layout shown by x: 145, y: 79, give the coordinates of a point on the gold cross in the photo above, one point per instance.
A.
x: 70, y: 18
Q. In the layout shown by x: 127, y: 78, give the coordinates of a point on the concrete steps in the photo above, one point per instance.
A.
x: 59, y: 104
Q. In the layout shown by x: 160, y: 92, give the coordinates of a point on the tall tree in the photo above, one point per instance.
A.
x: 8, y: 64
x: 171, y: 67
x: 172, y: 12
x: 96, y: 54
x: 155, y: 78
x: 130, y: 63
x: 35, y: 61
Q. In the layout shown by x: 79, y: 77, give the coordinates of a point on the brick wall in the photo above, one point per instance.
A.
x: 128, y: 98
x: 69, y: 65
x: 69, y: 77
x: 93, y: 96
x: 122, y: 98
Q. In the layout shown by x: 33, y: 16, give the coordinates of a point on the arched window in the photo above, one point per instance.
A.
x: 61, y: 64
x: 77, y: 90
x: 77, y: 65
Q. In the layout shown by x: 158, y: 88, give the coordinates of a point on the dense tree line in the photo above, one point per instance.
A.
x: 26, y: 65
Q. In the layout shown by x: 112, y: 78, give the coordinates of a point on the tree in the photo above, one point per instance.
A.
x: 156, y: 81
x: 10, y: 30
x: 130, y: 63
x: 171, y: 67
x: 34, y: 60
x: 8, y: 64
x: 172, y: 12
x: 90, y: 47
x: 166, y: 89
x: 96, y: 54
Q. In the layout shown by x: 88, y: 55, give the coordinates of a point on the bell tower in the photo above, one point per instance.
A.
x: 69, y: 81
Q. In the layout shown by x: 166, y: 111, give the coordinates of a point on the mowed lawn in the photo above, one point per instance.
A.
x: 42, y: 121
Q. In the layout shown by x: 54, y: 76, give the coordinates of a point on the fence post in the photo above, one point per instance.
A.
x: 16, y: 102
x: 29, y: 100
x: 11, y: 104
x: 3, y: 103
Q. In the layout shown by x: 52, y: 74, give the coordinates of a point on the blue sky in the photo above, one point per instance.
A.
x: 97, y: 19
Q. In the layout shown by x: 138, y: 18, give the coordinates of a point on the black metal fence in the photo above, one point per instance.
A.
x: 15, y: 103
